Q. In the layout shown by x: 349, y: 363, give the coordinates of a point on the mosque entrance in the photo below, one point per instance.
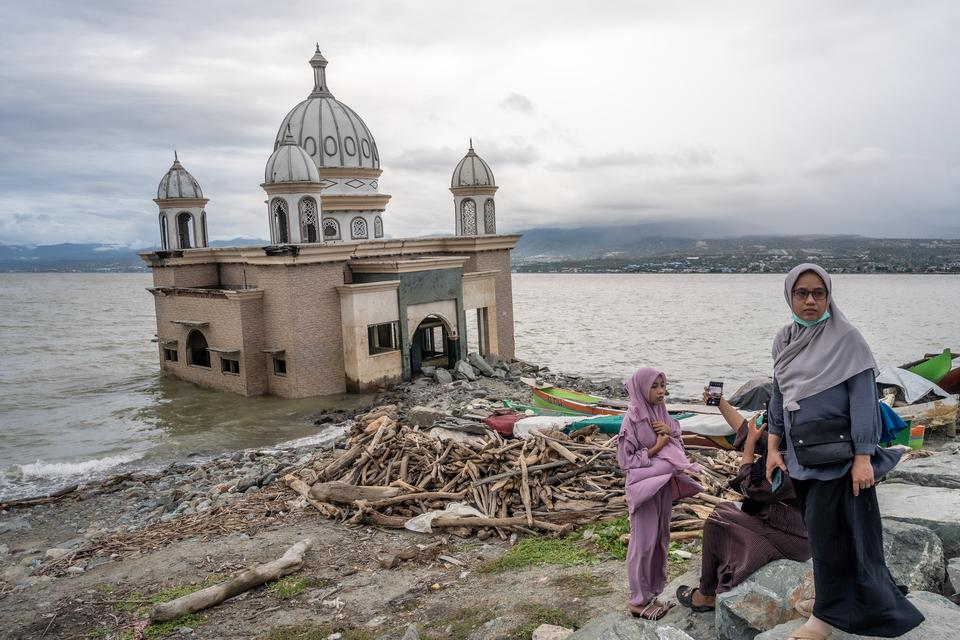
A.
x: 432, y: 345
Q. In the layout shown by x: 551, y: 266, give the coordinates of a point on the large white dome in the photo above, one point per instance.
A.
x: 178, y: 183
x: 290, y: 163
x: 472, y: 171
x: 331, y: 133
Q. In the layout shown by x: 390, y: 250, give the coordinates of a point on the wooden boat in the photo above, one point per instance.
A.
x: 939, y: 413
x: 701, y: 425
x: 933, y: 368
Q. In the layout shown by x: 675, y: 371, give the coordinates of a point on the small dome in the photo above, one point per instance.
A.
x: 290, y: 163
x: 472, y: 172
x: 178, y: 183
x: 331, y: 133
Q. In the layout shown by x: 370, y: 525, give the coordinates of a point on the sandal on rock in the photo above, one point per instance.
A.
x: 653, y: 610
x: 802, y: 633
x: 685, y: 597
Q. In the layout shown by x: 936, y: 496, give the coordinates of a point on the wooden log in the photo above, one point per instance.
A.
x: 424, y: 495
x: 348, y: 493
x: 205, y: 598
x: 303, y: 489
x: 397, y: 522
x: 336, y: 467
x: 525, y: 490
x: 516, y: 472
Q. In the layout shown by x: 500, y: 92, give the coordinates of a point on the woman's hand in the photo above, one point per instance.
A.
x: 774, y: 460
x: 662, y: 441
x: 660, y: 428
x: 862, y: 473
x: 753, y: 431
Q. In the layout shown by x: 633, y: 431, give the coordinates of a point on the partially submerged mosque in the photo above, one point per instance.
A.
x: 332, y: 304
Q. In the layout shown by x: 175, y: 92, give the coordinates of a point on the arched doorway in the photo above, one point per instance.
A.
x: 197, y: 353
x: 433, y: 344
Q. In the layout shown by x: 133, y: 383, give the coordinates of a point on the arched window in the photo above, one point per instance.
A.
x: 280, y: 221
x: 489, y: 217
x: 203, y: 225
x: 185, y: 229
x: 468, y: 217
x: 358, y: 228
x: 377, y: 227
x: 197, y: 353
x: 308, y: 220
x: 163, y: 232
x: 331, y: 230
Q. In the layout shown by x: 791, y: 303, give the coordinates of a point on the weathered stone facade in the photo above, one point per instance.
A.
x: 313, y: 307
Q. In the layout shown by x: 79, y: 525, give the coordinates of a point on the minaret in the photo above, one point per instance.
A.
x: 183, y: 220
x: 473, y: 188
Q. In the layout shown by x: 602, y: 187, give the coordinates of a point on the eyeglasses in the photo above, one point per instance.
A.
x: 802, y: 294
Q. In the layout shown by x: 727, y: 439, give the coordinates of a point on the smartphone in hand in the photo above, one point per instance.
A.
x: 776, y: 480
x: 714, y: 391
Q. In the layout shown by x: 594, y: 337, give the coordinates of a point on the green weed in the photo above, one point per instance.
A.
x: 583, y: 585
x: 529, y: 552
x: 287, y: 587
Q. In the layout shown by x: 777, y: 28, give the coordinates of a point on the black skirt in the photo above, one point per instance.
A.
x: 855, y: 592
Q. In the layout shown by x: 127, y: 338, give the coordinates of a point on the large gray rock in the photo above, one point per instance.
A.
x: 942, y: 621
x: 623, y: 626
x: 478, y: 363
x: 764, y: 600
x: 464, y: 371
x: 425, y: 417
x: 696, y: 625
x: 914, y: 555
x: 953, y: 576
x: 933, y: 507
x: 551, y: 632
x: 443, y: 376
x: 936, y: 471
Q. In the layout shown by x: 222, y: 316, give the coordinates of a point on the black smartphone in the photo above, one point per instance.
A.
x: 714, y: 391
x: 776, y: 480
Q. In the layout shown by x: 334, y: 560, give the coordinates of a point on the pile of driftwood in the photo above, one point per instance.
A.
x: 392, y: 472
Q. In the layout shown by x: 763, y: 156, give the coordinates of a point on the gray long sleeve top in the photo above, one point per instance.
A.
x: 854, y: 399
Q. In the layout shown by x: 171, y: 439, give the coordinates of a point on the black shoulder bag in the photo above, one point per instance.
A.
x: 821, y: 443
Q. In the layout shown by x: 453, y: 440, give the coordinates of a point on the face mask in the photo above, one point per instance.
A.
x: 811, y: 323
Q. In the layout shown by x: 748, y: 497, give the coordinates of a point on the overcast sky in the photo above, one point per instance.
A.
x: 788, y: 117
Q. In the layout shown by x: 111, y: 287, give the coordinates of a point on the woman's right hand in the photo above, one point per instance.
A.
x: 774, y: 460
x: 660, y: 428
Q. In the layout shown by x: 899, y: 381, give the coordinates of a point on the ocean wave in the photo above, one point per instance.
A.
x: 60, y: 470
x: 325, y: 437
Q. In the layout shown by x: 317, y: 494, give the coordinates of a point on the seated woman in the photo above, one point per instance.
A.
x: 738, y: 540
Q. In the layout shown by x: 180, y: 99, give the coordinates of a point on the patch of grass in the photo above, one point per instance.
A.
x: 99, y: 633
x: 536, y: 614
x: 529, y: 552
x: 607, y: 537
x: 461, y: 623
x: 287, y: 587
x: 103, y: 587
x: 583, y: 585
x: 317, y: 632
x: 164, y: 629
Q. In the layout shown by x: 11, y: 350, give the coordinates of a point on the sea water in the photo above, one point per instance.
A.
x: 81, y: 394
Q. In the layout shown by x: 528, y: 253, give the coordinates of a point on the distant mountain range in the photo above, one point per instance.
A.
x: 86, y: 257
x: 626, y: 242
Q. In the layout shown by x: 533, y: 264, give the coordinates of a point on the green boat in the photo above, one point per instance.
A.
x: 934, y: 368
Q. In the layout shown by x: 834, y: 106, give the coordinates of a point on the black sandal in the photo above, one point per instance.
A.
x: 685, y: 597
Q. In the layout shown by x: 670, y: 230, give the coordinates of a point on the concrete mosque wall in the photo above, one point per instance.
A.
x: 330, y: 305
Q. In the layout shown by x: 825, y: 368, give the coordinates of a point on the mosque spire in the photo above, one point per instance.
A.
x: 471, y: 144
x: 319, y: 64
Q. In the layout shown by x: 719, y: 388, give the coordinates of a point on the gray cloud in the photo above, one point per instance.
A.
x: 517, y: 102
x: 764, y: 112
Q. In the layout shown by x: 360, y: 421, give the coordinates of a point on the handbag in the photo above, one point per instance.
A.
x: 821, y: 443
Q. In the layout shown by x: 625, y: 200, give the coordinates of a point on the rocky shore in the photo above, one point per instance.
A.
x: 90, y: 563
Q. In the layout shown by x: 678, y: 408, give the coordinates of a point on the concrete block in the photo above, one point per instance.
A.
x: 942, y: 621
x: 914, y: 555
x: 936, y: 508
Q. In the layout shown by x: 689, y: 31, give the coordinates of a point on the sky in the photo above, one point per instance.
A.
x: 749, y: 117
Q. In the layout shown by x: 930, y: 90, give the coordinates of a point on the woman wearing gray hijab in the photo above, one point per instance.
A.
x: 825, y: 406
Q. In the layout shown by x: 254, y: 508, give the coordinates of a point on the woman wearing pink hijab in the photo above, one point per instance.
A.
x: 651, y: 454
